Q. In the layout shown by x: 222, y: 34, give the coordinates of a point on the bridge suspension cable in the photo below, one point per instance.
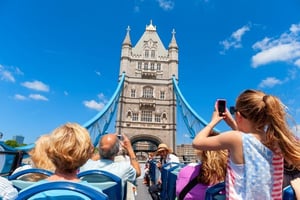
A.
x: 192, y: 120
x: 99, y: 124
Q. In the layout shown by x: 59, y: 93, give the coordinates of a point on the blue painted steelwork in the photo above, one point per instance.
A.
x: 192, y: 120
x: 98, y: 125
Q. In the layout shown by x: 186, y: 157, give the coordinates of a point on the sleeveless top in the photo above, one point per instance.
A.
x: 263, y: 173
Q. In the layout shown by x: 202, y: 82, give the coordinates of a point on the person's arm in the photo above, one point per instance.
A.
x: 133, y: 159
x: 226, y: 140
x: 295, y: 183
x: 230, y: 121
x: 200, y: 140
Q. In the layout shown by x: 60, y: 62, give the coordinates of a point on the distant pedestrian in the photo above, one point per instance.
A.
x: 166, y: 156
x: 147, y: 169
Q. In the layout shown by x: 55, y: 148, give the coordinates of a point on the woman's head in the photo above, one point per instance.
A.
x: 261, y: 109
x: 268, y: 116
x: 70, y: 147
x: 213, y: 166
x: 39, y: 156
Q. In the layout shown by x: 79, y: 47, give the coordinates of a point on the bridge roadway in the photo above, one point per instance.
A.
x: 142, y: 189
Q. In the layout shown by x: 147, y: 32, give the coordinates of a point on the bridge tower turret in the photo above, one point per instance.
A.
x: 173, y: 56
x: 126, y: 52
x: 147, y: 107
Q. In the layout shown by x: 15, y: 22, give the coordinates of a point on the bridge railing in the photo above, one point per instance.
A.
x: 192, y: 120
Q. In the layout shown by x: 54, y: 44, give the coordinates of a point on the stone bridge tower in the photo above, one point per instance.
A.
x: 147, y: 107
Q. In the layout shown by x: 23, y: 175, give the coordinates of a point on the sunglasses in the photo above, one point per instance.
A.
x: 233, y: 110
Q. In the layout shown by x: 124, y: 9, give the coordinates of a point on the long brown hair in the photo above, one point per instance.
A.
x: 268, y: 114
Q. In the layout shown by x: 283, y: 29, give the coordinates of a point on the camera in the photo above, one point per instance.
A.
x: 221, y: 106
x: 120, y: 136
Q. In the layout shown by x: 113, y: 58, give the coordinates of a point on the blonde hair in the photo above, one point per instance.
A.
x: 39, y: 156
x: 70, y: 147
x: 40, y: 159
x: 268, y: 115
x: 213, y: 165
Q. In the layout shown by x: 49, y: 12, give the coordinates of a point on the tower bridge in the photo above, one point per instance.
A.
x: 147, y: 101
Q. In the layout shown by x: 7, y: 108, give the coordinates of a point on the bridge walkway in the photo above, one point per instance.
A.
x: 142, y: 189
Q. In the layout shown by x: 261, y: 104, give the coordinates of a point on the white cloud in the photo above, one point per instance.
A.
x: 281, y: 52
x: 237, y: 35
x: 296, y: 130
x: 166, y: 4
x: 270, y: 82
x: 297, y: 62
x: 98, y: 73
x: 292, y: 74
x: 295, y: 28
x: 20, y: 97
x: 36, y: 85
x: 18, y: 71
x: 38, y: 97
x: 285, y: 48
x: 235, y: 40
x: 31, y: 96
x: 96, y: 105
x: 102, y: 97
x: 6, y: 75
x: 92, y: 104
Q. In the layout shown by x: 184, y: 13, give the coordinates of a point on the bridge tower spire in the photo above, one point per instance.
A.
x: 147, y: 107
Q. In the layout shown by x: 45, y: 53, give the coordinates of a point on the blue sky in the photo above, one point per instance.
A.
x: 59, y: 59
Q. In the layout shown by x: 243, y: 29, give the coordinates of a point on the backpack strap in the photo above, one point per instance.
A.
x: 187, y: 188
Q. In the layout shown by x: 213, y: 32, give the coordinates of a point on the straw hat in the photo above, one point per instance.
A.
x: 162, y: 147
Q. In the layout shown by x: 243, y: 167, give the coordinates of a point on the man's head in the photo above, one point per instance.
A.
x: 163, y: 150
x: 109, y: 146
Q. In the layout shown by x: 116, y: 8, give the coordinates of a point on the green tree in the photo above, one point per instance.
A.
x: 12, y: 143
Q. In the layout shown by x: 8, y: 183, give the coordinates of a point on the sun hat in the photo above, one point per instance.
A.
x: 162, y: 147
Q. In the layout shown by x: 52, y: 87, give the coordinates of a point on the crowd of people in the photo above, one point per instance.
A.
x: 256, y: 158
x: 67, y: 151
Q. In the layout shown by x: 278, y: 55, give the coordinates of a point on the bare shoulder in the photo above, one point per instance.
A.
x: 230, y: 136
x: 229, y: 139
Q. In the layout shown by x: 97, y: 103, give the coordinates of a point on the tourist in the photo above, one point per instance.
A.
x: 69, y: 148
x: 7, y: 190
x: 39, y: 159
x: 193, y: 179
x: 109, y: 147
x: 147, y: 169
x: 166, y: 156
x: 257, y: 144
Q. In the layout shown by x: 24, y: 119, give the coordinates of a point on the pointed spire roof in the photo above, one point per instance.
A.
x: 150, y: 27
x: 127, y: 37
x: 151, y: 40
x: 173, y: 43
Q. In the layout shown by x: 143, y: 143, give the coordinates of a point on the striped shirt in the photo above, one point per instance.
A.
x: 260, y: 177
